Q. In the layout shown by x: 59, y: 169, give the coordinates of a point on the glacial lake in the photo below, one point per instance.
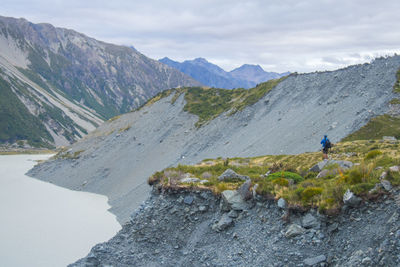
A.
x: 46, y: 225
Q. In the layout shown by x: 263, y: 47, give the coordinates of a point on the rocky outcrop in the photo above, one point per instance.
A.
x: 165, y: 231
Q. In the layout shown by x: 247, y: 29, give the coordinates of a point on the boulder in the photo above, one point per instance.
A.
x: 343, y: 164
x: 244, y: 190
x: 234, y: 200
x: 309, y: 221
x: 223, y: 223
x: 190, y: 180
x: 323, y: 173
x: 350, y: 199
x: 315, y: 260
x: 294, y: 230
x: 282, y: 203
x: 319, y: 166
x: 230, y: 174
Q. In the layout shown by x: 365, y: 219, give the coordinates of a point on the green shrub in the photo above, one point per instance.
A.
x: 361, y: 188
x: 288, y: 175
x: 393, y: 177
x: 155, y: 178
x: 311, y: 175
x: 281, y: 182
x: 373, y: 154
x: 310, y: 194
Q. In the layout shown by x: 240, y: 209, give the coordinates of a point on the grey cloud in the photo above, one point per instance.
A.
x: 279, y: 35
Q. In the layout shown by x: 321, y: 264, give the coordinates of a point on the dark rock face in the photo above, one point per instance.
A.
x: 165, y: 232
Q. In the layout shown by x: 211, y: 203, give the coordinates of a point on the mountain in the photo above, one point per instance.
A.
x: 255, y: 74
x: 58, y: 84
x: 188, y: 125
x: 211, y: 75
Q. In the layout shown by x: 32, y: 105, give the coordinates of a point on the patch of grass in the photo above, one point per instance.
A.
x: 395, y: 101
x: 208, y: 103
x: 376, y: 128
x: 373, y: 154
x: 287, y: 175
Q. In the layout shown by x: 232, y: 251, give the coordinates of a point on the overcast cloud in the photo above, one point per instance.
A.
x: 280, y: 35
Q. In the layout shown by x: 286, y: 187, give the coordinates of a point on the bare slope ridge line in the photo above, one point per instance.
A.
x: 117, y: 158
x: 66, y: 83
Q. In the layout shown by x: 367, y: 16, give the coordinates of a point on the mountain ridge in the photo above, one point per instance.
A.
x: 72, y: 81
x: 214, y: 76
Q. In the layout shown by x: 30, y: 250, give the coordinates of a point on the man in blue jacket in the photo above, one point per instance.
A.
x: 326, y: 145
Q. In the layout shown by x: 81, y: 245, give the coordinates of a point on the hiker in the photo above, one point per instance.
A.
x: 326, y: 145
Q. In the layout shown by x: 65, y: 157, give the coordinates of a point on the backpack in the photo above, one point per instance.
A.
x: 328, y: 144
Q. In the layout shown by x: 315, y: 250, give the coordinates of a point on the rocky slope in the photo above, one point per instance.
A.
x: 117, y: 158
x: 209, y: 74
x: 62, y: 84
x: 190, y: 228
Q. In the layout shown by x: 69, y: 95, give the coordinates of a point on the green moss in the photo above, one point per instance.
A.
x: 376, y: 128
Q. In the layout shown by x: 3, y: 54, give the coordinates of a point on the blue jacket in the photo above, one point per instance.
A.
x: 323, y: 141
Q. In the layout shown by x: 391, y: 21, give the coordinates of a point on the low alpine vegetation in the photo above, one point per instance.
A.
x: 290, y: 177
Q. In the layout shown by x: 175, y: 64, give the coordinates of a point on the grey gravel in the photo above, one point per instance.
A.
x: 153, y: 237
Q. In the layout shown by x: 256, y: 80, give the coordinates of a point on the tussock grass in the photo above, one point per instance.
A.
x: 290, y: 177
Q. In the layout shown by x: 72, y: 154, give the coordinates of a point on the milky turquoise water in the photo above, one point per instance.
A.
x: 45, y: 225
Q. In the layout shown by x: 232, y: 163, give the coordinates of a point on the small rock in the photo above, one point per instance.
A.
x: 294, y: 230
x: 223, y: 223
x: 230, y: 174
x: 203, y: 181
x: 309, y: 221
x: 376, y: 188
x: 282, y: 203
x: 188, y: 200
x: 383, y: 176
x: 386, y: 185
x: 233, y: 214
x: 350, y: 199
x: 244, y: 190
x: 394, y: 169
x: 203, y: 208
x: 315, y: 260
x: 366, y: 260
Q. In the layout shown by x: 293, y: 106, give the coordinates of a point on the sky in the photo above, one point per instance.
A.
x: 281, y: 35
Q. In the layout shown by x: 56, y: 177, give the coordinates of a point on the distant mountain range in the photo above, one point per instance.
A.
x: 57, y: 84
x: 209, y: 74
